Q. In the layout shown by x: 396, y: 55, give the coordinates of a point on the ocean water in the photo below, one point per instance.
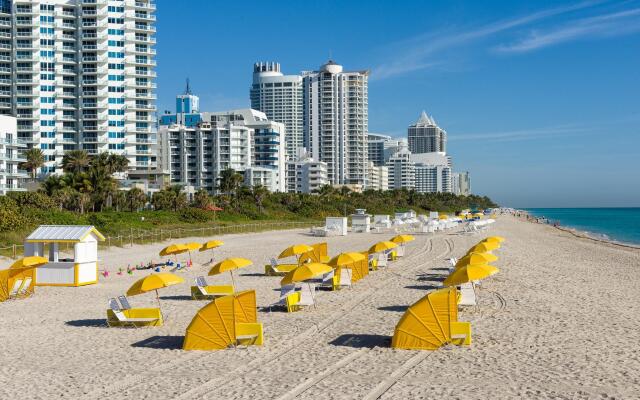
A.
x: 616, y: 224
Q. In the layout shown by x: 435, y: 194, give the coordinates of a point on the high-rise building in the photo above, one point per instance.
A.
x: 243, y: 140
x: 433, y: 172
x: 378, y: 177
x: 311, y: 175
x: 461, y: 183
x: 402, y: 171
x: 10, y: 157
x: 425, y: 136
x: 279, y: 96
x: 187, y: 110
x: 336, y: 121
x: 376, y: 144
x: 80, y: 74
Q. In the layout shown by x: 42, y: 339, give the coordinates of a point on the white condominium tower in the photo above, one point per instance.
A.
x: 425, y: 136
x: 336, y: 122
x: 79, y: 74
x: 280, y: 98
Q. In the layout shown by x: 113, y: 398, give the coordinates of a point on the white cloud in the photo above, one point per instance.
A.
x: 417, y: 49
x: 614, y: 24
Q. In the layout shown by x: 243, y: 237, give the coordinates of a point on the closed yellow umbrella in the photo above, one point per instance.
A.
x: 154, y: 282
x: 229, y: 265
x: 382, y: 246
x: 29, y: 262
x: 295, y: 250
x: 305, y: 272
x: 469, y: 273
x: 403, y: 238
x: 476, y: 258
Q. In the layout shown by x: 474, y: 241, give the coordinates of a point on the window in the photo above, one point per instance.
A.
x: 116, y: 146
x: 47, y: 146
x: 118, y: 32
x: 117, y: 78
x: 116, y: 43
x: 50, y: 135
x: 47, y: 19
x: 116, y: 123
x: 116, y: 89
x: 116, y: 54
x: 47, y: 31
x: 47, y: 53
x: 47, y: 100
x: 47, y: 42
x: 46, y: 7
x: 47, y: 88
x: 116, y: 20
x: 116, y: 135
x: 115, y: 9
x: 47, y: 111
x: 116, y: 112
x: 116, y: 66
x: 115, y: 100
x: 47, y: 77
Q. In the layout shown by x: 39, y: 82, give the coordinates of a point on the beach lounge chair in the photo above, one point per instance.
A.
x: 467, y: 295
x: 373, y: 262
x: 24, y: 290
x: 17, y: 284
x: 124, y: 302
x: 204, y: 291
x: 382, y: 260
x: 135, y: 317
x: 285, y: 291
x: 327, y: 280
x: 346, y: 275
x: 275, y: 269
x: 307, y: 297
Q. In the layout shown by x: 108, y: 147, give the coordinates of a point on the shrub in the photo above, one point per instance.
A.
x: 194, y: 215
x: 32, y: 199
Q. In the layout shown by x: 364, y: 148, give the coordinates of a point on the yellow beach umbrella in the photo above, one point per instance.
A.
x: 473, y: 272
x: 211, y: 244
x: 154, y: 282
x: 173, y: 249
x: 476, y: 258
x: 29, y: 262
x: 403, y: 238
x: 192, y: 246
x: 443, y: 216
x: 496, y: 239
x: 343, y: 259
x: 229, y: 265
x: 295, y: 250
x: 484, y: 247
x: 382, y: 246
x: 305, y: 272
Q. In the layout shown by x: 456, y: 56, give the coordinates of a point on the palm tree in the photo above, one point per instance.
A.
x: 75, y: 161
x: 136, y: 199
x: 259, y: 192
x: 201, y: 199
x: 35, y: 160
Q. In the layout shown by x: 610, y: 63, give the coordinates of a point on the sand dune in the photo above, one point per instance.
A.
x: 561, y: 320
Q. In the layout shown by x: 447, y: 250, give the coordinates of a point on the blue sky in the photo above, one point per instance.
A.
x: 541, y: 100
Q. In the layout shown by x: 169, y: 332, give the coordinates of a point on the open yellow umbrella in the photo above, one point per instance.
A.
x: 174, y: 249
x: 476, y: 258
x: 29, y: 262
x: 343, y: 259
x: 192, y: 246
x: 295, y: 250
x: 154, y: 282
x: 210, y: 245
x: 484, y: 247
x: 443, y: 216
x: 497, y: 239
x: 403, y: 238
x: 229, y: 265
x: 382, y: 246
x: 305, y: 272
x: 469, y: 273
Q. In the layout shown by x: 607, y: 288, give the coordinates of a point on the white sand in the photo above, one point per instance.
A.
x: 561, y: 320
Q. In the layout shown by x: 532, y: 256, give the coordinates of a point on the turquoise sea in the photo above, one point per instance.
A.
x: 617, y: 224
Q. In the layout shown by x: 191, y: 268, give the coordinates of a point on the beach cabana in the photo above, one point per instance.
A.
x: 356, y: 262
x: 225, y: 322
x: 401, y: 241
x: 76, y: 269
x: 319, y: 254
x: 431, y: 323
x: 19, y: 280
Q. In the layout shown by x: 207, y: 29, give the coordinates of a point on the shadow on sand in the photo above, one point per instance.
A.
x: 161, y: 342
x: 178, y: 297
x: 394, y: 308
x: 424, y: 287
x: 362, y: 341
x: 88, y: 323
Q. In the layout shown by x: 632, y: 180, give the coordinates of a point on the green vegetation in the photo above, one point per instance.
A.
x: 88, y: 194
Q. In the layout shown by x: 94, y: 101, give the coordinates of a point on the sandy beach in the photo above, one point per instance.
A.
x: 560, y: 320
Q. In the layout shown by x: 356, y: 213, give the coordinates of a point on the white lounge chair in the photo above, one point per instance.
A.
x: 327, y: 279
x: 133, y: 322
x: 26, y: 286
x: 382, y: 259
x: 346, y: 275
x: 285, y: 291
x: 467, y: 295
x: 307, y: 297
x: 124, y: 302
x: 17, y: 284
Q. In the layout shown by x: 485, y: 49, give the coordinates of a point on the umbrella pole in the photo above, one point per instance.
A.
x: 313, y: 296
x: 233, y: 282
x: 159, y: 308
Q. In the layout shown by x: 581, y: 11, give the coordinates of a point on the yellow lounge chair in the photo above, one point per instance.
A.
x: 134, y: 317
x: 275, y: 269
x: 203, y: 291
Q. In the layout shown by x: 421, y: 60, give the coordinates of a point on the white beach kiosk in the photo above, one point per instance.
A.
x: 78, y: 269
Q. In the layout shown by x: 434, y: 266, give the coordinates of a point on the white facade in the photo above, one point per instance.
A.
x: 336, y: 122
x: 432, y: 172
x: 10, y: 156
x: 238, y: 139
x: 402, y: 171
x: 376, y: 144
x: 425, y: 136
x: 461, y: 183
x: 80, y: 74
x: 378, y: 177
x: 310, y: 175
x: 280, y: 98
